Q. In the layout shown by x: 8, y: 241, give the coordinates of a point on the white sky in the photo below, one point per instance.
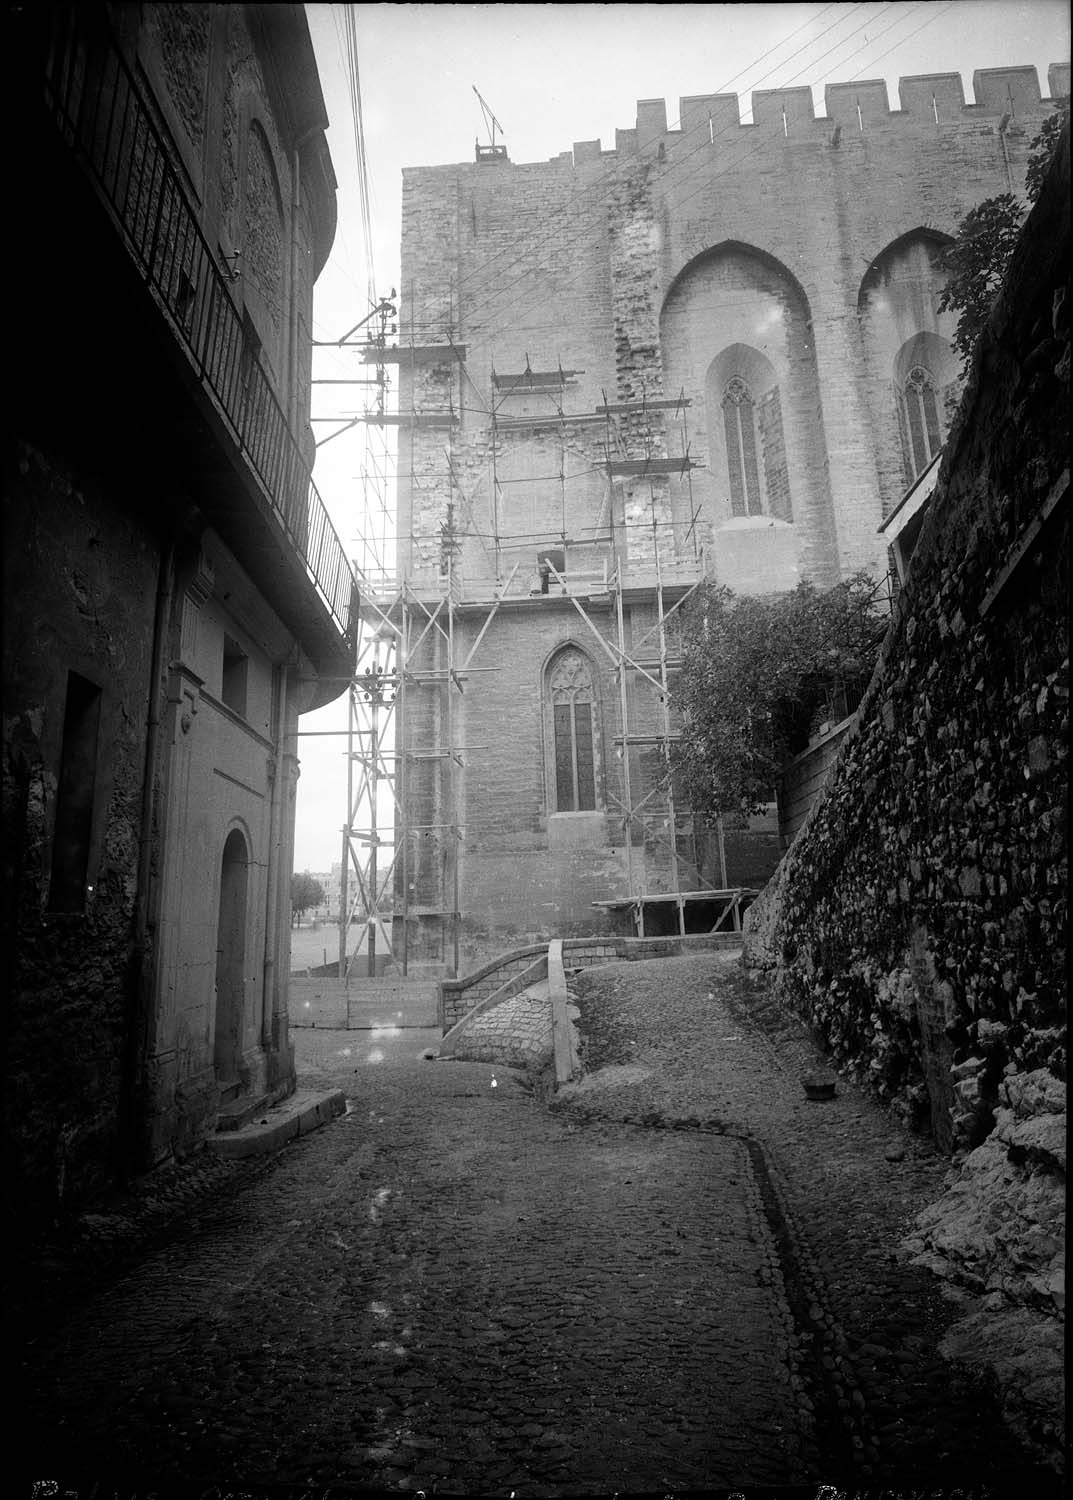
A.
x: 553, y: 75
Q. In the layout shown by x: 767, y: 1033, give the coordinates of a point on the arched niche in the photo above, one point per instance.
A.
x: 231, y: 933
x: 912, y: 373
x: 736, y: 314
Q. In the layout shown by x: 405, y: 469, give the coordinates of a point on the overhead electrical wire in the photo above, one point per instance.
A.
x: 588, y: 190
x: 590, y: 199
x: 486, y: 302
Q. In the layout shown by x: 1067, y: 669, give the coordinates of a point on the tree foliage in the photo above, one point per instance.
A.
x: 306, y: 894
x: 977, y: 260
x: 755, y: 672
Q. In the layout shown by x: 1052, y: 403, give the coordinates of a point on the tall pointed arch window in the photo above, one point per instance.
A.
x: 573, y: 714
x: 739, y: 419
x: 757, y: 470
x: 923, y: 425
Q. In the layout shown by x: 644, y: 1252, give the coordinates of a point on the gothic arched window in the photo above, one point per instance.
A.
x: 923, y: 426
x: 739, y: 417
x: 756, y: 452
x: 572, y: 698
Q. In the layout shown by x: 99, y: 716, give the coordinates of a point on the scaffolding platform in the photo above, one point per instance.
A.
x: 624, y: 468
x: 532, y: 380
x: 412, y: 419
x: 650, y: 912
x: 412, y: 354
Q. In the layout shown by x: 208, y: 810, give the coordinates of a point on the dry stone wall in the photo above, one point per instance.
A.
x: 918, y: 921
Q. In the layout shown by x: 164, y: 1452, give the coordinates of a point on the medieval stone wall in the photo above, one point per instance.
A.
x: 791, y: 263
x: 632, y: 269
x: 929, y: 884
x: 918, y: 922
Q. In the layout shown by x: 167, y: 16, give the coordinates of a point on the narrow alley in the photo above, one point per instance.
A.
x: 657, y: 1281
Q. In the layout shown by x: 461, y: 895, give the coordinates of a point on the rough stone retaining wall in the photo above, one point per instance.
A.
x: 532, y: 977
x: 918, y: 921
x: 458, y: 997
x: 516, y: 1033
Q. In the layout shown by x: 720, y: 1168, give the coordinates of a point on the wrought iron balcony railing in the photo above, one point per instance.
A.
x: 99, y: 108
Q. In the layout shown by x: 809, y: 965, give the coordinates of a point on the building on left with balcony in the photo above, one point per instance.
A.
x: 174, y: 592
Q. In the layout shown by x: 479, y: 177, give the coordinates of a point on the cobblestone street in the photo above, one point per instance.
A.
x: 677, y: 1277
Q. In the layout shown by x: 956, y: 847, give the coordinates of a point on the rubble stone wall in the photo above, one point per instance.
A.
x: 918, y: 921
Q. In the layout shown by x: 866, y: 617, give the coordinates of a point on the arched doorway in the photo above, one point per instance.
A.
x: 231, y: 958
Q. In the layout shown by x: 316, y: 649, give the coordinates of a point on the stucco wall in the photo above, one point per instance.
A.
x: 114, y: 479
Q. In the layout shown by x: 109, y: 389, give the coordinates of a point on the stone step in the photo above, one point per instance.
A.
x: 235, y: 1113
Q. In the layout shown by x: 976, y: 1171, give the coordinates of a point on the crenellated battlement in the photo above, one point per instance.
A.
x: 925, y: 101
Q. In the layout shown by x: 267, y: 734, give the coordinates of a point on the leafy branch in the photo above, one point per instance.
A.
x: 977, y: 260
x: 755, y: 672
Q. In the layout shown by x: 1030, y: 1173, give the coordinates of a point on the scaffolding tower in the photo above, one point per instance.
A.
x: 404, y: 747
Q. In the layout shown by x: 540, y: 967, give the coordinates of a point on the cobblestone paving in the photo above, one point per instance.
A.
x: 450, y: 1287
x: 676, y: 1277
x: 691, y: 1044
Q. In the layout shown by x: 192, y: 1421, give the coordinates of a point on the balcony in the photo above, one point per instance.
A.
x: 285, y: 538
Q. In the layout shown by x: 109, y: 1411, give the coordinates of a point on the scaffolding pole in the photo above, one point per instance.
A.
x: 414, y: 623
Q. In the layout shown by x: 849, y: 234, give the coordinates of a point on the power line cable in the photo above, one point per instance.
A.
x: 487, y: 303
x: 577, y: 201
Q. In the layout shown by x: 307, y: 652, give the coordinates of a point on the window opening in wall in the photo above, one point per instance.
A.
x: 739, y: 416
x: 573, y: 729
x: 922, y: 419
x: 235, y: 677
x: 545, y: 562
x: 75, y: 796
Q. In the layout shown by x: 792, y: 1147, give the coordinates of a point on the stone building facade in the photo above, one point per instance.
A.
x: 174, y: 593
x: 711, y: 351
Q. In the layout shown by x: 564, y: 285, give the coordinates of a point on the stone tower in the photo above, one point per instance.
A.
x: 711, y: 352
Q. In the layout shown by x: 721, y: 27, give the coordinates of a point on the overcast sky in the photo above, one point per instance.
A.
x: 553, y: 75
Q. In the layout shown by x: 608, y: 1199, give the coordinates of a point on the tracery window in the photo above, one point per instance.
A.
x: 573, y: 729
x: 923, y: 428
x: 756, y: 452
x: 739, y: 417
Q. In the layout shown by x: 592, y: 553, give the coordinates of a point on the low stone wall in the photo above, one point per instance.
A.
x: 458, y: 997
x: 517, y: 1033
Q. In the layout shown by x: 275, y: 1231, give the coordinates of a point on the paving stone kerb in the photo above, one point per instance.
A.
x: 564, y: 1038
x: 296, y: 1115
